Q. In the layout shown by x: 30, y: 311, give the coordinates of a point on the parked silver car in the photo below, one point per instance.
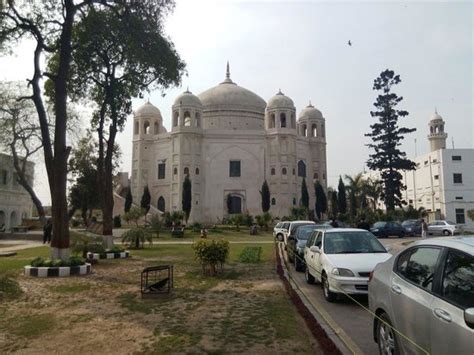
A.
x: 426, y: 293
x: 280, y: 229
x: 443, y: 228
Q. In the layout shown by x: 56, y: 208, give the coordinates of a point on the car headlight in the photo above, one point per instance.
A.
x: 375, y: 230
x: 342, y: 272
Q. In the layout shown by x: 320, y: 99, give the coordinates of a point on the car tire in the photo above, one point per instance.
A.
x: 308, y: 277
x: 328, y: 295
x: 298, y: 264
x: 280, y: 237
x: 446, y: 232
x: 387, y: 340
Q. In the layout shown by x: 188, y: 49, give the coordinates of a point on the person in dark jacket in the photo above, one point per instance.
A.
x: 47, y: 230
x: 363, y: 224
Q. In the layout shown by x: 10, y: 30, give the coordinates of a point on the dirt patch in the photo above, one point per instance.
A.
x: 243, y: 310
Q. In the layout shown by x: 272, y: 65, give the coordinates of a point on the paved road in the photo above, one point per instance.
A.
x: 348, y: 318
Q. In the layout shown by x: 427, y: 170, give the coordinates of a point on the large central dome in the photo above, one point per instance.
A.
x: 228, y: 96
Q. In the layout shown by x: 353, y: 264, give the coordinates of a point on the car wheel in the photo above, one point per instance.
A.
x: 386, y: 337
x: 308, y: 277
x: 280, y: 237
x: 328, y: 295
x: 446, y: 232
x: 298, y: 264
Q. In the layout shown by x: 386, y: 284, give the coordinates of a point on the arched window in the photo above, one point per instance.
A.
x: 273, y: 201
x: 294, y: 171
x: 234, y: 204
x: 294, y: 201
x: 431, y: 130
x: 314, y: 131
x: 175, y: 118
x: 161, y: 204
x: 197, y: 171
x: 186, y: 171
x: 175, y: 171
x: 283, y: 171
x: 304, y: 131
x: 146, y: 127
x: 157, y: 128
x: 301, y: 169
x: 272, y: 171
x: 293, y: 121
x: 198, y: 120
x: 187, y: 119
x: 324, y: 176
x: 323, y: 130
x: 282, y: 120
x: 137, y: 125
x: 272, y: 121
x: 13, y: 219
x: 315, y: 176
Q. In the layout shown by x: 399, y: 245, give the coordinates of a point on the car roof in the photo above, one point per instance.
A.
x: 303, y: 222
x: 462, y: 242
x: 344, y: 230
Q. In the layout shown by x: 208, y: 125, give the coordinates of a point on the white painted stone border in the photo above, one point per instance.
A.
x: 97, y: 256
x: 57, y: 271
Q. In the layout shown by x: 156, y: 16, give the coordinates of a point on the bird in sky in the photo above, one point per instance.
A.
x: 349, y: 43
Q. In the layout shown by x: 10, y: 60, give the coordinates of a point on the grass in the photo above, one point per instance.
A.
x: 242, y: 309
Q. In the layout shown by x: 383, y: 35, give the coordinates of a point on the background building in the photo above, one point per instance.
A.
x: 228, y: 140
x: 15, y: 202
x: 443, y: 182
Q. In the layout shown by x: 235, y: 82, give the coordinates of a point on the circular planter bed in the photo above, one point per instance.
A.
x: 57, y: 271
x: 118, y: 255
x: 7, y: 253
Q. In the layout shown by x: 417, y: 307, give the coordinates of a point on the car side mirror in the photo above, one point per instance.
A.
x: 315, y: 249
x: 469, y: 317
x: 388, y: 248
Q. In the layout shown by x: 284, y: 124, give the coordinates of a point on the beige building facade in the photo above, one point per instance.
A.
x: 228, y: 140
x: 15, y: 202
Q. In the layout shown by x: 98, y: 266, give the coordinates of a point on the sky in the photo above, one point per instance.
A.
x: 301, y: 47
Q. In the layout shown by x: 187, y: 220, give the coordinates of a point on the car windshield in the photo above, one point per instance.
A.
x: 408, y: 223
x: 451, y: 223
x: 380, y: 224
x: 279, y: 225
x: 304, y: 232
x: 353, y: 242
x: 296, y: 225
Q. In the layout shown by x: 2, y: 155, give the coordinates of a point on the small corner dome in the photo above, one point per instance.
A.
x: 280, y: 100
x: 310, y: 112
x: 187, y: 99
x: 436, y: 117
x: 148, y: 110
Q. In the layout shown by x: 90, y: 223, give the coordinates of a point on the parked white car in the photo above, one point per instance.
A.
x: 341, y: 259
x: 292, y: 229
x: 443, y: 228
x: 426, y: 293
x: 280, y: 229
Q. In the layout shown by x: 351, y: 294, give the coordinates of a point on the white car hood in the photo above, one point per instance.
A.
x: 357, y: 262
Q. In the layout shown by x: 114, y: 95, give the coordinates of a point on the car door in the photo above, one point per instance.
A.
x: 449, y: 331
x: 317, y: 257
x: 313, y: 257
x: 307, y: 251
x: 411, y: 296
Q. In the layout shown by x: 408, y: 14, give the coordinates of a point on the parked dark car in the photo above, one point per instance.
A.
x: 412, y: 227
x: 297, y: 242
x: 387, y: 229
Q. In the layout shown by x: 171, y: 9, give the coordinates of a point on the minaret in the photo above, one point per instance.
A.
x: 437, y: 136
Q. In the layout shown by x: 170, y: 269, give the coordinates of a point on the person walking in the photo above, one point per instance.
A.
x: 47, y: 230
x: 363, y: 224
x: 424, y: 229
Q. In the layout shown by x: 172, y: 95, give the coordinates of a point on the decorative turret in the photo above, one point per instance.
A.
x: 311, y: 123
x: 187, y: 111
x: 437, y: 136
x: 147, y: 121
x: 280, y: 112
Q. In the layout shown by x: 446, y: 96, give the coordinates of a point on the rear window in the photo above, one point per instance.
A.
x: 380, y: 224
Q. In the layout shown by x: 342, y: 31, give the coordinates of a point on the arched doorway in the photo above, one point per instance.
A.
x: 3, y: 220
x: 161, y: 204
x: 301, y: 169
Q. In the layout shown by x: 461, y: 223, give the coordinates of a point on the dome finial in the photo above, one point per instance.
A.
x: 310, y: 105
x: 227, y: 73
x: 279, y: 92
x: 436, y: 110
x: 187, y: 90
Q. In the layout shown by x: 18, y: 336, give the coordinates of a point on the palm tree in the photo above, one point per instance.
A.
x: 355, y: 187
x: 373, y: 189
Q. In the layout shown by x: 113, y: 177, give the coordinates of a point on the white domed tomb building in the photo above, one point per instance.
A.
x: 228, y: 141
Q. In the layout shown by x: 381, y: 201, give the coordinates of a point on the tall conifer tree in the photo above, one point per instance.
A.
x: 304, y: 194
x: 341, y: 197
x: 386, y: 136
x: 187, y: 197
x: 265, y: 194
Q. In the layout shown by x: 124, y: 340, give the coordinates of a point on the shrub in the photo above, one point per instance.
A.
x: 248, y: 220
x: 38, y: 261
x: 211, y: 254
x: 115, y: 249
x: 237, y: 220
x: 136, y: 237
x: 9, y: 287
x: 156, y: 224
x: 174, y: 217
x: 117, y: 221
x: 250, y: 255
x: 75, y: 223
x: 83, y: 244
x: 134, y: 215
x: 72, y: 261
x: 196, y: 227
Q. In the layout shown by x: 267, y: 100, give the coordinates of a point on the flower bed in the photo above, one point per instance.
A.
x: 109, y: 255
x: 40, y: 267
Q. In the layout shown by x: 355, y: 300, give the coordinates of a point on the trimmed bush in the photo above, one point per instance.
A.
x: 211, y: 254
x: 117, y: 221
x: 72, y: 261
x: 250, y: 255
x: 136, y: 237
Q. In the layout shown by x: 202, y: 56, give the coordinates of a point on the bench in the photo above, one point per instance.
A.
x: 20, y: 229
